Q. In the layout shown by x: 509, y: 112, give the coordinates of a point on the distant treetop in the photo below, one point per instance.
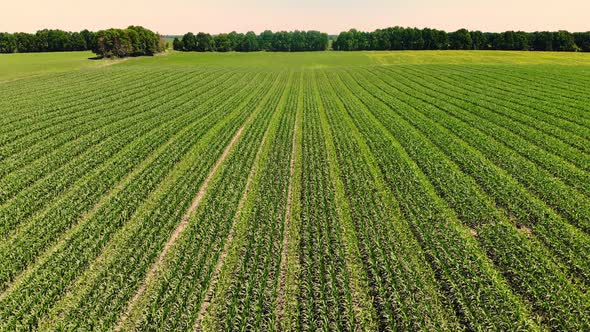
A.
x: 133, y: 41
x: 399, y: 38
x: 394, y: 38
x: 282, y: 41
x: 137, y: 40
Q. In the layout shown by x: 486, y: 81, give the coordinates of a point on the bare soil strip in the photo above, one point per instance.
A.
x: 217, y: 271
x: 181, y: 226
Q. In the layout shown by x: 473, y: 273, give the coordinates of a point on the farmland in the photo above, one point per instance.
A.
x: 442, y: 190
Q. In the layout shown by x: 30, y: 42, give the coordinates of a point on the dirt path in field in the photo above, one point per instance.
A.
x: 180, y: 228
x: 110, y: 62
x: 283, y: 268
x: 217, y: 271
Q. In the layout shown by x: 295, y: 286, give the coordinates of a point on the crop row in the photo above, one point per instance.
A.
x: 99, y: 296
x: 566, y: 241
x: 520, y: 258
x: 246, y: 294
x: 287, y: 302
x: 190, y: 263
x: 44, y: 160
x: 526, y: 141
x: 558, y: 101
x: 562, y: 88
x: 480, y: 297
x: 43, y: 131
x: 46, y: 114
x: 325, y: 298
x: 399, y: 276
x: 514, y: 111
x: 552, y: 119
x: 386, y: 198
x: 41, y: 195
x: 54, y: 87
x: 70, y: 205
x: 130, y: 200
x: 570, y: 203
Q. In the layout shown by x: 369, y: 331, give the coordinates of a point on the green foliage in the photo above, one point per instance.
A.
x: 460, y: 40
x: 133, y: 41
x: 296, y: 41
x: 250, y: 43
x: 479, y: 41
x: 177, y: 44
x: 564, y: 41
x: 223, y: 43
x: 378, y: 191
x: 582, y: 40
x: 7, y: 43
x: 205, y: 43
x: 398, y: 38
x: 46, y: 41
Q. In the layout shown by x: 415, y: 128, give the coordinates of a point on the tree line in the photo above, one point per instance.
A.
x: 46, y: 41
x: 282, y: 41
x: 133, y: 41
x: 137, y: 40
x: 399, y: 38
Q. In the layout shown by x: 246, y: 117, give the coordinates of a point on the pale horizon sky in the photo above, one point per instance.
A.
x: 174, y: 17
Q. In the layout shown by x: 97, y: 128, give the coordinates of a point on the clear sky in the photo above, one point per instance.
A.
x: 332, y: 16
